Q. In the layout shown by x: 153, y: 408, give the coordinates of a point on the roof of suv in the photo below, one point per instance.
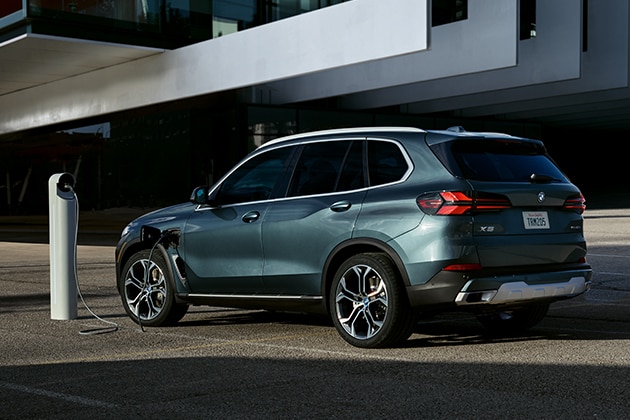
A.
x: 345, y: 131
x: 451, y: 132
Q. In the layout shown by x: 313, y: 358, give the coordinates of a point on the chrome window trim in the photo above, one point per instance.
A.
x: 308, y: 140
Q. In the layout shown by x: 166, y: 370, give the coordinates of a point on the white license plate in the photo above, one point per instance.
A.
x: 536, y: 220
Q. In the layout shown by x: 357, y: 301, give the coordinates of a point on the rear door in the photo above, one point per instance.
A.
x: 323, y: 202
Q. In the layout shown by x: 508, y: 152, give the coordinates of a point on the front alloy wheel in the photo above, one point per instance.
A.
x: 147, y: 290
x: 367, y: 302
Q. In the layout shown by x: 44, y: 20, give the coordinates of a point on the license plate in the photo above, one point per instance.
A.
x: 536, y: 220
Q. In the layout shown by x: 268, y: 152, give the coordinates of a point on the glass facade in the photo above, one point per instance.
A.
x: 153, y: 23
x: 448, y: 11
x: 527, y: 22
x: 8, y: 7
x: 230, y: 16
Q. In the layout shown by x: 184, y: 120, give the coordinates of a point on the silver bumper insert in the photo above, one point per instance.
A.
x: 520, y: 291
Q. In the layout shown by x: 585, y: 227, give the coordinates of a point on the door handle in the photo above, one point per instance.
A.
x: 250, y: 217
x: 340, y: 206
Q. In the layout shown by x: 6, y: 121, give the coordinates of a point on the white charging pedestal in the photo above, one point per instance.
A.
x: 62, y: 213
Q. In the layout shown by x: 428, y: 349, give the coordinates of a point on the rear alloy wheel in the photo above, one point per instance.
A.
x: 368, y: 304
x: 513, y: 320
x: 147, y: 291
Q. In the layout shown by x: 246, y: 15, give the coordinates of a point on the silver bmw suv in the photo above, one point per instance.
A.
x: 373, y: 226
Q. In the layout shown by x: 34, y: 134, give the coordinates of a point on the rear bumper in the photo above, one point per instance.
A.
x: 520, y: 291
x: 487, y: 288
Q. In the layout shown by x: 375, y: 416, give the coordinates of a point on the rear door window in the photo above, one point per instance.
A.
x: 319, y: 167
x: 342, y: 165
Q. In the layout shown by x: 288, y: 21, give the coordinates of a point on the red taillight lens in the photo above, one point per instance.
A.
x: 455, y: 202
x: 458, y: 202
x: 462, y: 267
x: 430, y: 203
x: 576, y: 202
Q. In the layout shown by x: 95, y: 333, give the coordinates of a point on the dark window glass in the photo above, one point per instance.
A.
x: 352, y: 175
x: 528, y: 19
x: 318, y: 168
x: 266, y: 123
x: 584, y: 25
x: 448, y: 11
x: 504, y: 161
x: 235, y: 15
x: 386, y: 162
x: 280, y: 9
x: 256, y: 179
x: 9, y: 6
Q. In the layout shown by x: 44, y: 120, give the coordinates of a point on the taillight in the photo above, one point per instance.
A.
x: 576, y: 202
x: 462, y: 267
x: 457, y: 202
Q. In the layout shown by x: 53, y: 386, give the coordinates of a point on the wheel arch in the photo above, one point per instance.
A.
x: 124, y: 254
x: 352, y: 247
x: 136, y: 246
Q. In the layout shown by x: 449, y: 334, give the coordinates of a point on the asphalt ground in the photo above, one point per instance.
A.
x: 225, y: 363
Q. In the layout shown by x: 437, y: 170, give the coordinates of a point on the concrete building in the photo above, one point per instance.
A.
x: 142, y: 100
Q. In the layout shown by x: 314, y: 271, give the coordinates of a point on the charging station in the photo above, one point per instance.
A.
x: 62, y: 207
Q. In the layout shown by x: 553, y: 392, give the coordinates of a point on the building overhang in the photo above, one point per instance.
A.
x: 350, y: 33
x: 30, y: 60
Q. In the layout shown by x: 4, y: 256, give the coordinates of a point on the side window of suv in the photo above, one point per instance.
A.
x: 353, y: 175
x: 318, y: 167
x: 386, y: 162
x: 255, y: 179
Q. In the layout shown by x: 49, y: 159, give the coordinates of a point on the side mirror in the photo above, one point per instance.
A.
x: 199, y: 195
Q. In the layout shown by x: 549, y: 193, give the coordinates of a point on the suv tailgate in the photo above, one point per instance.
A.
x: 540, y: 227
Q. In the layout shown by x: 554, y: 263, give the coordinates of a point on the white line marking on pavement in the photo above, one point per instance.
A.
x: 57, y: 395
x: 607, y: 255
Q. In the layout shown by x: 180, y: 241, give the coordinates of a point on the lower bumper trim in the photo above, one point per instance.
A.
x: 519, y: 291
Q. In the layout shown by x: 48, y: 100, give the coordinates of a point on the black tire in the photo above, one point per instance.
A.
x: 513, y: 320
x: 368, y: 304
x: 147, y: 290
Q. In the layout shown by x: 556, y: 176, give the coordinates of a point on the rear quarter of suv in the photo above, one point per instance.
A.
x: 372, y: 226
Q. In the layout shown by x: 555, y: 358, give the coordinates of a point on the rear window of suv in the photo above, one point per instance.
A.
x: 502, y: 160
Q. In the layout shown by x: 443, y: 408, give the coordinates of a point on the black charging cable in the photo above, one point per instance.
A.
x: 163, y: 235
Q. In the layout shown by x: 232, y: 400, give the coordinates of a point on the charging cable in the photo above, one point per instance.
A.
x: 164, y: 235
x: 112, y: 325
x: 147, y: 273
